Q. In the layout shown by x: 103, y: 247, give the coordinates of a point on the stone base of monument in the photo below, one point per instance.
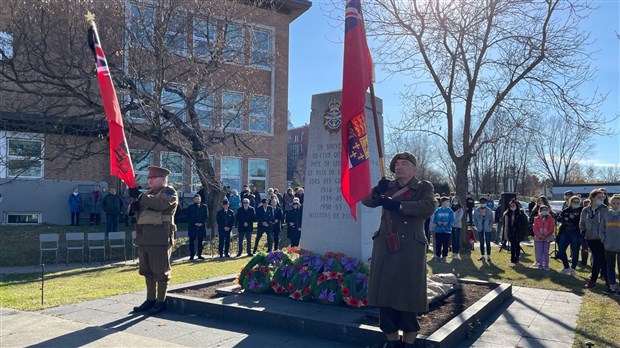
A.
x: 339, y: 323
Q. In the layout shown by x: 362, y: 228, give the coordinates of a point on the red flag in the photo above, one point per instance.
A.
x: 120, y: 161
x: 357, y: 77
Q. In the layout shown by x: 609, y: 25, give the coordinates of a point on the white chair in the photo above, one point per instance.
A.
x: 182, y: 239
x: 96, y: 241
x: 48, y: 242
x: 116, y: 240
x: 74, y: 241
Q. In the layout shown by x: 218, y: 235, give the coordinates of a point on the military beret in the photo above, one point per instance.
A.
x: 155, y: 172
x: 264, y: 200
x: 568, y: 193
x: 403, y: 155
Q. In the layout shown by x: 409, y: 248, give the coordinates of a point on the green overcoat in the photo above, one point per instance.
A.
x: 398, y: 280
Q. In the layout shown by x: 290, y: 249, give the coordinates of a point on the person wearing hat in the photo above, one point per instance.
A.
x: 567, y: 195
x: 293, y: 225
x: 225, y: 218
x: 112, y: 206
x: 155, y: 230
x: 397, y: 281
x: 246, y: 215
x: 197, y: 217
x: 264, y: 219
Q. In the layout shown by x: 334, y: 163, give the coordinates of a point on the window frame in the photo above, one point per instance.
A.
x: 144, y: 31
x: 194, y: 183
x: 224, y: 177
x: 268, y: 115
x: 9, y: 213
x: 6, y: 43
x: 268, y: 53
x: 141, y: 175
x: 224, y: 111
x: 40, y: 158
x: 210, y: 39
x: 253, y: 178
x: 235, y: 45
x: 175, y: 179
x: 202, y: 105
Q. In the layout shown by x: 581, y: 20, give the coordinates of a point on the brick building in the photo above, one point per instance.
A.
x: 241, y: 107
x: 296, y: 154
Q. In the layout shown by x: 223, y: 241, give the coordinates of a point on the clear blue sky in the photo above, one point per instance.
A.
x: 315, y: 64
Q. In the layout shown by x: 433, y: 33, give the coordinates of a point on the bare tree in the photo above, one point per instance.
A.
x: 168, y: 59
x: 609, y: 173
x: 559, y: 148
x: 474, y: 61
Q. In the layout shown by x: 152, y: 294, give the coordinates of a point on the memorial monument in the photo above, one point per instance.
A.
x: 327, y: 221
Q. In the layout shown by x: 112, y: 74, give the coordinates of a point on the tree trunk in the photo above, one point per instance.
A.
x: 461, y: 191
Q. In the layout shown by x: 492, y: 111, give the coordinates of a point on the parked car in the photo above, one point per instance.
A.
x: 556, y: 206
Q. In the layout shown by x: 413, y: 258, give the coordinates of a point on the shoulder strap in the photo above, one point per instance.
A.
x: 400, y: 192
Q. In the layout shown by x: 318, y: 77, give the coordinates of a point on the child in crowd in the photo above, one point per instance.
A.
x: 610, y: 236
x: 443, y: 219
x: 543, y: 227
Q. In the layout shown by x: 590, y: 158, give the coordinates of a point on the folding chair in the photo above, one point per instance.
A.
x: 74, y: 241
x: 182, y: 239
x: 116, y: 240
x: 96, y: 241
x: 48, y: 242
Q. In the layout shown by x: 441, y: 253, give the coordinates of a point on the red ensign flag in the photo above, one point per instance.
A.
x: 357, y: 77
x: 120, y: 161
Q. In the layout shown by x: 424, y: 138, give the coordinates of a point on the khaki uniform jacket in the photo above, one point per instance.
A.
x: 165, y: 201
x: 398, y: 280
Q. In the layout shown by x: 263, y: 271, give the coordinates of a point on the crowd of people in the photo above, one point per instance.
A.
x: 588, y: 226
x: 270, y: 214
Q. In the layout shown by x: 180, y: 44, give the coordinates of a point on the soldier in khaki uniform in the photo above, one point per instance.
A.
x: 155, y: 230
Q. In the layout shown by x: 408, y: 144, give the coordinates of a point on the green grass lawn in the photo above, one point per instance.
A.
x: 598, y: 321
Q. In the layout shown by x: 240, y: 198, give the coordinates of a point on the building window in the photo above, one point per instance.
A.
x: 260, y: 114
x: 175, y: 37
x: 205, y: 35
x: 235, y: 42
x: 22, y: 218
x: 232, y: 110
x: 261, y: 48
x: 173, y: 102
x: 205, y: 108
x: 258, y: 170
x: 25, y: 158
x: 142, y: 24
x: 141, y: 161
x: 196, y: 184
x: 231, y: 172
x: 143, y: 98
x: 174, y: 163
x: 6, y: 45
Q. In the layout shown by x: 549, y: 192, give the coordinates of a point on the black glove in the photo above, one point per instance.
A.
x: 390, y: 204
x: 382, y: 187
x: 134, y: 207
x: 134, y: 192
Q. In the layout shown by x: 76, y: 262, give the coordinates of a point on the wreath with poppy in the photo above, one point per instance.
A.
x: 355, y: 289
x: 328, y: 287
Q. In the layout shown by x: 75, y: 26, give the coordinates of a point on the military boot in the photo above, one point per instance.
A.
x: 145, y: 306
x: 157, y: 308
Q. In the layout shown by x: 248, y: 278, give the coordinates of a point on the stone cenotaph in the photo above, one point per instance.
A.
x: 327, y: 222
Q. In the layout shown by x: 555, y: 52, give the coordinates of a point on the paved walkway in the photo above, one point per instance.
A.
x: 532, y: 318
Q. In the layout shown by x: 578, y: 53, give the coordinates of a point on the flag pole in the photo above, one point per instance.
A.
x: 377, y: 132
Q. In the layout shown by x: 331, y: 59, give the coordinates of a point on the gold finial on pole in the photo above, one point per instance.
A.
x: 90, y: 17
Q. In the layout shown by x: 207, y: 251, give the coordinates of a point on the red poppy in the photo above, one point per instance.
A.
x: 364, y: 302
x: 340, y: 280
x: 345, y: 291
x: 353, y: 302
x: 249, y: 273
x: 321, y: 279
x: 307, y: 290
x: 333, y: 275
x: 273, y: 282
x: 266, y: 270
x: 290, y: 288
x: 296, y: 295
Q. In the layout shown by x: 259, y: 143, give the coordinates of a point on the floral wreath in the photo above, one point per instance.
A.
x: 328, y: 288
x: 355, y: 289
x: 259, y: 259
x: 300, y: 285
x: 257, y: 279
x: 283, y: 271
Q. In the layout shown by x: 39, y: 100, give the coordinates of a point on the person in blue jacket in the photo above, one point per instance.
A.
x: 75, y: 206
x: 443, y: 219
